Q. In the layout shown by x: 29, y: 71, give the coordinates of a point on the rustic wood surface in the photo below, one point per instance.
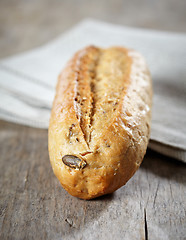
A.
x: 32, y: 203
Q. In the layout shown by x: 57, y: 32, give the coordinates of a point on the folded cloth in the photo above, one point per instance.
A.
x: 27, y: 81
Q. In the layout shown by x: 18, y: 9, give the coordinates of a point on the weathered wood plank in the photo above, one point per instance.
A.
x: 166, y: 205
x: 27, y: 24
x: 34, y: 206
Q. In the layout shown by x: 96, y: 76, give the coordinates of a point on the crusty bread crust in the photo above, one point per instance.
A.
x: 101, y: 114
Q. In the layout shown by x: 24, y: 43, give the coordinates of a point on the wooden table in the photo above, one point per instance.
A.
x: 32, y: 203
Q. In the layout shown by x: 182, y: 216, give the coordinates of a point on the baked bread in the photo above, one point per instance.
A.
x: 100, y: 121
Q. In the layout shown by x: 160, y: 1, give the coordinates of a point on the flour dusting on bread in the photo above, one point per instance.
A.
x: 100, y: 121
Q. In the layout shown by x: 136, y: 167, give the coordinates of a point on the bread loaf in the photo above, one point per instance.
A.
x: 100, y: 121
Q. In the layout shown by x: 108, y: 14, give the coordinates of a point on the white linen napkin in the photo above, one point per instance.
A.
x: 27, y: 81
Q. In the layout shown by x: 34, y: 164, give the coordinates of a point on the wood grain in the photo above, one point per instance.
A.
x: 34, y: 206
x: 32, y: 203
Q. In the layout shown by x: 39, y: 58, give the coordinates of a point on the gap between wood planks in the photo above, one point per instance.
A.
x: 145, y: 223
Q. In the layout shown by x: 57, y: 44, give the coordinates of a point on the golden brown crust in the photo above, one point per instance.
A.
x: 101, y: 114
